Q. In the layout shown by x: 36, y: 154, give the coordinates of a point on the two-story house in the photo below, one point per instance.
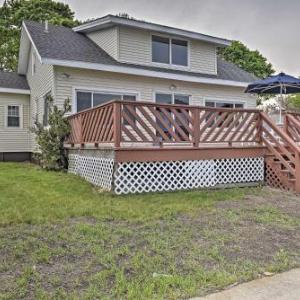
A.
x: 112, y: 58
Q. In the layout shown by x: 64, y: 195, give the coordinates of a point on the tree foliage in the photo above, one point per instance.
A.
x: 50, y: 139
x: 293, y: 102
x: 251, y: 61
x: 13, y: 12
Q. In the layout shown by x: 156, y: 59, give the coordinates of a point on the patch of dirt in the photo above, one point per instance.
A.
x: 287, y: 202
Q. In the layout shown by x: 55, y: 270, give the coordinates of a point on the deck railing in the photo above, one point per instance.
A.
x: 123, y: 122
x: 131, y: 124
x: 292, y: 125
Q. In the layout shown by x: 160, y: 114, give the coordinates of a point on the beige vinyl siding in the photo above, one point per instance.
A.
x: 107, y: 39
x: 15, y: 139
x: 145, y: 87
x: 41, y: 82
x: 203, y: 57
x: 135, y: 47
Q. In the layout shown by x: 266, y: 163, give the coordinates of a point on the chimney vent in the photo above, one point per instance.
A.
x: 46, y: 26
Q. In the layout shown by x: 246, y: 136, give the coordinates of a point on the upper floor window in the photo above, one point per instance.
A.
x: 13, y: 116
x: 169, y: 51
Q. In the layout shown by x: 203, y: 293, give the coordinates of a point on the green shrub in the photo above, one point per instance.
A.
x: 50, y: 139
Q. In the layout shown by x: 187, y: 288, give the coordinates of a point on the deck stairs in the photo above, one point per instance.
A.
x: 282, y: 158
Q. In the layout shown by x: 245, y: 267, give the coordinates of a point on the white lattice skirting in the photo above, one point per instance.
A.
x: 96, y: 170
x: 140, y: 177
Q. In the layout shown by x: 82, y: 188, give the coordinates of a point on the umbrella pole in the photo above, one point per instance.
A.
x: 280, y: 105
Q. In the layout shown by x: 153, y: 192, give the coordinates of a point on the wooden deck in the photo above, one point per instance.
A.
x: 143, y: 131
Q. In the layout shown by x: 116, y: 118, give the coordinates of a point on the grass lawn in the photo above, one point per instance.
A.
x: 60, y: 238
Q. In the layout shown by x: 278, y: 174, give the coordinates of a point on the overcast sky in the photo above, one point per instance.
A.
x: 271, y: 26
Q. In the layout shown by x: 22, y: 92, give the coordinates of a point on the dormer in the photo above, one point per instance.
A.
x: 147, y: 44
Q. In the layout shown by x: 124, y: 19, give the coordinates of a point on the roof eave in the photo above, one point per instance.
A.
x: 143, y: 72
x: 112, y: 20
x: 14, y: 91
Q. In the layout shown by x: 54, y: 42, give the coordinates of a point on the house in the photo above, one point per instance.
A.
x: 153, y: 108
x: 112, y: 58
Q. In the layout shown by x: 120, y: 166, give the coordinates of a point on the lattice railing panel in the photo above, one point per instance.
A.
x: 139, y: 177
x: 96, y: 170
x: 275, y: 178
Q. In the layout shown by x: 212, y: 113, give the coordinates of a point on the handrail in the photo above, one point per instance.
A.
x: 146, y: 103
x: 280, y: 132
x: 135, y: 121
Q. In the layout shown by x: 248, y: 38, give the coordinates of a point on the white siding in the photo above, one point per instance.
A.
x: 41, y: 83
x: 135, y: 47
x: 107, y: 39
x: 203, y: 57
x: 144, y: 86
x: 14, y: 139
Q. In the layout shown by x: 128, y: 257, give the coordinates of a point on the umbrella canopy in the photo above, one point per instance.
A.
x: 278, y: 84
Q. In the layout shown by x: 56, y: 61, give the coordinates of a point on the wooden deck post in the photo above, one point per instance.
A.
x: 196, y: 126
x: 117, y: 124
x: 259, y: 129
x: 297, y: 172
x: 81, y: 139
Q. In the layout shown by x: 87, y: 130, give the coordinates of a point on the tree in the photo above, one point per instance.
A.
x: 50, y: 139
x: 293, y: 102
x: 251, y: 61
x: 13, y: 12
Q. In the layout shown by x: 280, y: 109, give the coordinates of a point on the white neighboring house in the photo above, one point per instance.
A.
x: 112, y: 58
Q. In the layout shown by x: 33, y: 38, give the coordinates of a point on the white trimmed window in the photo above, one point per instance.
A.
x: 172, y: 98
x: 221, y: 104
x: 89, y: 99
x: 14, y: 116
x: 169, y: 51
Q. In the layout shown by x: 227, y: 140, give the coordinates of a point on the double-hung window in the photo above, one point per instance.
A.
x: 169, y: 51
x: 13, y: 116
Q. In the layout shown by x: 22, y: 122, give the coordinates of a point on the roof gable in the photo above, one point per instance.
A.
x: 63, y: 47
x: 111, y: 20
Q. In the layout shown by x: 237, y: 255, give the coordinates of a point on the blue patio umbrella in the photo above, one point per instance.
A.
x: 280, y: 84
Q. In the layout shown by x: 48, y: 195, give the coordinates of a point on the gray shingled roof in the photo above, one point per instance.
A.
x: 63, y: 43
x: 11, y: 80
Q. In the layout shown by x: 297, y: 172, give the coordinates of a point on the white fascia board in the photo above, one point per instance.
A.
x: 143, y: 72
x: 14, y: 91
x: 111, y: 20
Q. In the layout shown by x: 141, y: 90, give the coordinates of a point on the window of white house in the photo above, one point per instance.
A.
x: 47, y: 106
x: 13, y: 116
x: 165, y: 98
x: 33, y: 66
x: 169, y: 51
x: 172, y: 98
x: 88, y: 99
x: 220, y: 104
